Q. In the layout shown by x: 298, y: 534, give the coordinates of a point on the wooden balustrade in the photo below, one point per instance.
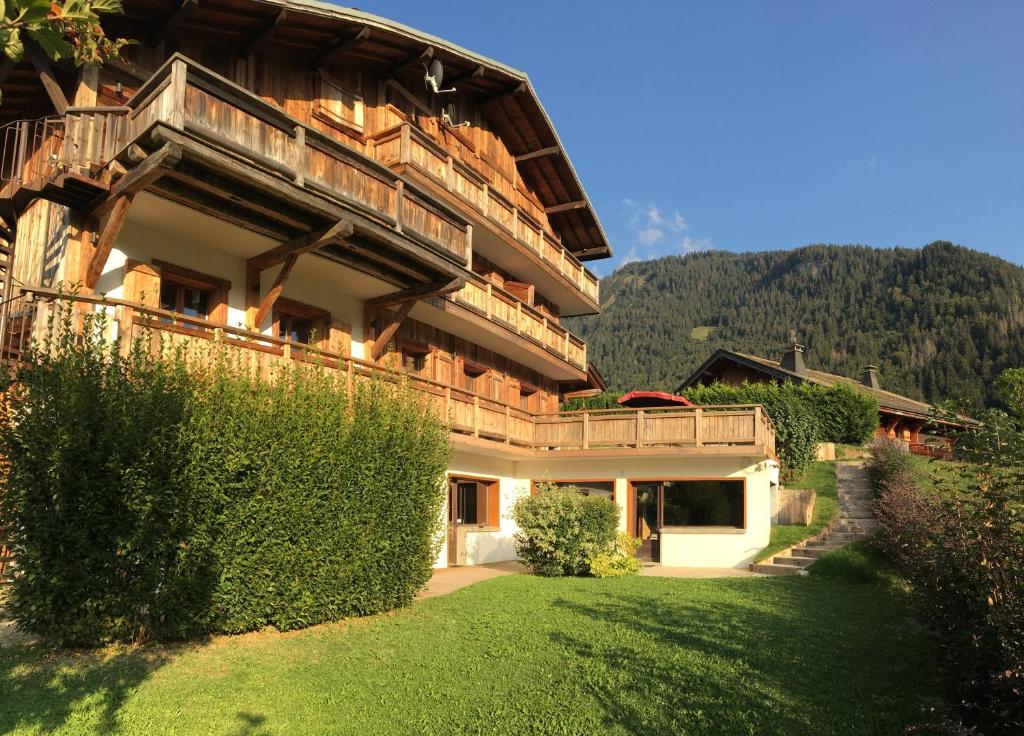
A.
x: 190, y: 98
x: 512, y: 314
x: 467, y: 413
x: 518, y: 216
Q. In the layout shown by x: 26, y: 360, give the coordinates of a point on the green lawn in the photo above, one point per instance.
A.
x: 802, y: 655
x: 821, y: 476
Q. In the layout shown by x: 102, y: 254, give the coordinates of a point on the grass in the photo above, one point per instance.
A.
x: 858, y: 564
x: 821, y: 476
x: 519, y: 654
x: 701, y: 333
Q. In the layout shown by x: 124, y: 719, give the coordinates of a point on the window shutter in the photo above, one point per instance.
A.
x: 493, y: 504
x: 335, y: 104
x: 142, y: 283
x: 341, y: 337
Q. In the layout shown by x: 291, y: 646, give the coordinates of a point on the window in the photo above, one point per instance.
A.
x: 474, y: 502
x: 301, y: 323
x: 338, y: 106
x: 703, y: 503
x: 602, y: 488
x: 525, y: 392
x: 472, y: 374
x: 414, y: 357
x: 192, y: 294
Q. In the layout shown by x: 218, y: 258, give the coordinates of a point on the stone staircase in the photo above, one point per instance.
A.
x: 855, y: 521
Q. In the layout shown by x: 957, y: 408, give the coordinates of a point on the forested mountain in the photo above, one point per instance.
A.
x: 940, y: 322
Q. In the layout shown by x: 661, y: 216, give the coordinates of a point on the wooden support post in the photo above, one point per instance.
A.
x: 152, y: 168
x: 389, y: 330
x: 179, y: 82
x: 275, y: 291
x: 758, y: 427
x: 640, y: 428
x: 698, y: 415
x: 399, y: 196
x: 106, y: 240
x: 490, y: 297
x: 50, y: 83
x: 300, y: 155
x: 448, y: 403
x: 252, y: 296
x: 586, y: 430
x: 434, y: 288
x: 508, y: 424
x: 305, y: 243
x: 476, y: 415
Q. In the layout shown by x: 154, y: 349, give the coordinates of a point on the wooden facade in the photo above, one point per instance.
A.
x: 450, y: 227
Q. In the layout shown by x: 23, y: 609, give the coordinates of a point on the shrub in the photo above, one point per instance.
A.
x: 560, y: 530
x: 605, y: 400
x: 963, y: 553
x: 803, y: 414
x: 619, y: 561
x: 150, y: 499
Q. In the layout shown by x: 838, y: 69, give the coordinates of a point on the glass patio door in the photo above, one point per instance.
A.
x: 648, y: 521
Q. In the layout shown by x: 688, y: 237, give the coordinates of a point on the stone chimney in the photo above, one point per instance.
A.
x: 870, y: 377
x: 793, y: 359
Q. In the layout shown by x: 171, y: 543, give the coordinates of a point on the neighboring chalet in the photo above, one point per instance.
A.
x: 300, y: 180
x: 899, y: 417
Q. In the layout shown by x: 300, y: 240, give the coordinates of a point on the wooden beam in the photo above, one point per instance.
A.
x: 45, y: 71
x: 275, y: 291
x: 540, y: 152
x: 171, y: 21
x: 504, y: 94
x: 566, y: 207
x: 390, y: 329
x: 126, y: 66
x: 423, y: 57
x: 303, y: 244
x: 423, y: 291
x: 343, y: 44
x: 105, y: 244
x: 476, y: 72
x: 152, y: 168
x: 264, y: 36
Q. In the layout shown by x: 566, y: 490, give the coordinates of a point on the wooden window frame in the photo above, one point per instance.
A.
x: 631, y: 505
x: 218, y: 288
x: 408, y: 348
x: 305, y: 311
x: 492, y: 501
x: 353, y: 129
x: 529, y: 392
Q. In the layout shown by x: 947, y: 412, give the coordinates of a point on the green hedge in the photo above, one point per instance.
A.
x: 561, y: 530
x: 150, y: 500
x: 804, y: 415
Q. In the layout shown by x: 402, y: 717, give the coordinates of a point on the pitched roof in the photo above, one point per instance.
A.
x: 887, y: 400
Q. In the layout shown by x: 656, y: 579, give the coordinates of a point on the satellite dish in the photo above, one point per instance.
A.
x: 434, y: 76
x: 448, y: 118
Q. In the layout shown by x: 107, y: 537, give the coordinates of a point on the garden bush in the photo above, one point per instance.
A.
x: 804, y: 415
x: 561, y: 530
x: 618, y: 561
x: 962, y: 549
x: 175, y: 496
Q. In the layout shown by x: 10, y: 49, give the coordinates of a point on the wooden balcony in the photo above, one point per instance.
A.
x: 512, y: 314
x: 738, y: 430
x: 513, y: 213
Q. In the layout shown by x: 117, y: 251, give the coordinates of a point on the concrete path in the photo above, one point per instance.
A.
x: 449, y: 579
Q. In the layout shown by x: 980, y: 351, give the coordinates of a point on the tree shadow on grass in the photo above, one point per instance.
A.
x: 784, y: 657
x: 42, y: 689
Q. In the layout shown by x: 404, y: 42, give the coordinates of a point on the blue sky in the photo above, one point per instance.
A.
x: 763, y: 125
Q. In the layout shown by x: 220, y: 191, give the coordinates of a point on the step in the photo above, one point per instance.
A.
x: 768, y: 569
x: 825, y: 546
x: 793, y: 561
x: 846, y: 537
x: 814, y: 552
x: 856, y: 514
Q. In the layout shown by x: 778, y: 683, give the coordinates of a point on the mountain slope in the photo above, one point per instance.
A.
x: 939, y: 322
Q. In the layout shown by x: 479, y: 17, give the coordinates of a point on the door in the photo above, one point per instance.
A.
x: 453, y: 534
x: 463, y: 506
x: 648, y: 520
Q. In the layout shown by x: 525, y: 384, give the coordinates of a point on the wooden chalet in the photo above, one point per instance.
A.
x: 899, y: 417
x: 302, y: 180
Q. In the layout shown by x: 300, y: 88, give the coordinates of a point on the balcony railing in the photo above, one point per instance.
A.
x: 501, y: 307
x: 407, y: 144
x: 467, y: 413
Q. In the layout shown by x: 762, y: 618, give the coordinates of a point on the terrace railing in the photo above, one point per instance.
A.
x: 406, y: 144
x: 468, y: 413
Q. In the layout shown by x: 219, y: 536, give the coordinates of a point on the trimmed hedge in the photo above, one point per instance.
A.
x: 804, y: 415
x: 561, y: 530
x: 150, y: 500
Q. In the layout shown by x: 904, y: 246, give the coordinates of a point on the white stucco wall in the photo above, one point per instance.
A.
x: 683, y: 547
